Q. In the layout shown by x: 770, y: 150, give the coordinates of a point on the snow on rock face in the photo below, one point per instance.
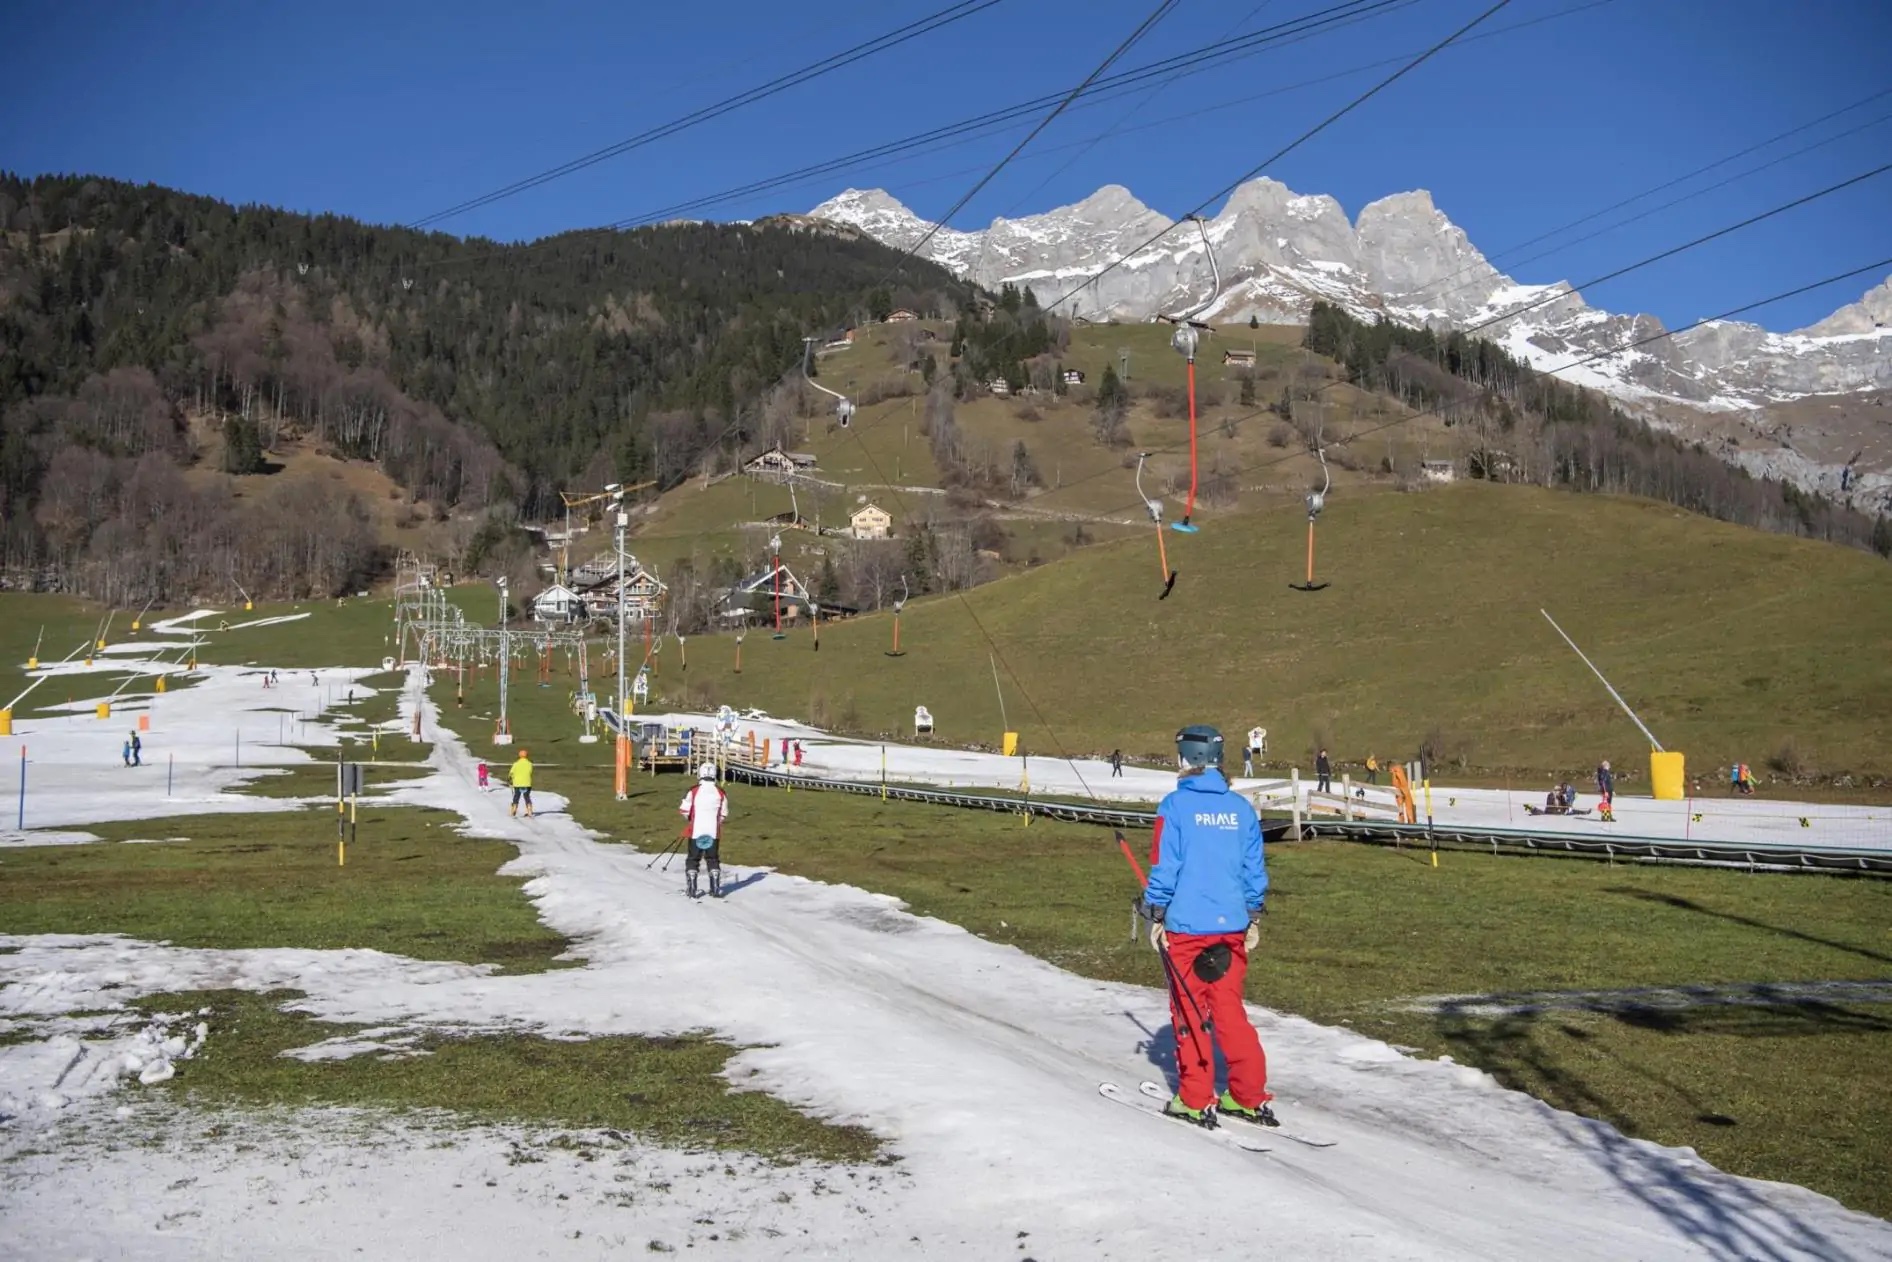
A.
x: 1409, y: 248
x: 1280, y: 251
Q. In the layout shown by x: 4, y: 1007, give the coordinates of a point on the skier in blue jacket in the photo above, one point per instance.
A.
x: 1205, y: 897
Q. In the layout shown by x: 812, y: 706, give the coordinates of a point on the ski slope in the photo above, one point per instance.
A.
x: 1757, y: 821
x: 976, y: 1063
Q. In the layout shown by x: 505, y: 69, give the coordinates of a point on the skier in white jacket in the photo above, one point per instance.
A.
x: 704, y: 809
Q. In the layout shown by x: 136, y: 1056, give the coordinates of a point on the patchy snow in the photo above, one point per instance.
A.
x: 975, y: 1062
x: 223, y: 731
x: 1758, y: 821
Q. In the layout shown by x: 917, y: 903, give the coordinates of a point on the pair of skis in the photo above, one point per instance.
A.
x: 1247, y: 1140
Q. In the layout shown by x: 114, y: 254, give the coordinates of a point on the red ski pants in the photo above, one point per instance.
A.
x: 1220, y: 1003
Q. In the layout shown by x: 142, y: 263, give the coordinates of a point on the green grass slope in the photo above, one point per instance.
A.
x: 1730, y: 643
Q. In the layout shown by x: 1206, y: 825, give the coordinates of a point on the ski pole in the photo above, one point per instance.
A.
x: 683, y: 835
x: 1171, y: 977
x: 674, y: 842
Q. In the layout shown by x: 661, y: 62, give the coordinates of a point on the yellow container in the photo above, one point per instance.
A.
x: 105, y: 709
x: 6, y: 722
x: 32, y: 663
x: 1011, y: 744
x: 1666, y: 776
x: 160, y: 686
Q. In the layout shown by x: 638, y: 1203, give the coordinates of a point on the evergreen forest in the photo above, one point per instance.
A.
x: 152, y: 341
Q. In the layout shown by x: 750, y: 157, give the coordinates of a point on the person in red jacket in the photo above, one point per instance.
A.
x: 1204, y: 900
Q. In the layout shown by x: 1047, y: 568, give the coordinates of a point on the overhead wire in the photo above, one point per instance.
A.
x: 1718, y: 233
x: 1341, y: 14
x: 979, y: 127
x: 991, y: 641
x: 1142, y: 99
x: 1584, y: 361
x: 1162, y: 10
x: 1648, y: 213
x: 1404, y: 70
x: 1684, y: 178
x: 781, y: 83
x: 1573, y: 290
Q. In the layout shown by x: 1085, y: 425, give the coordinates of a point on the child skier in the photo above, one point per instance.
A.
x: 704, y: 808
x: 485, y: 775
x: 521, y: 778
x: 1204, y: 899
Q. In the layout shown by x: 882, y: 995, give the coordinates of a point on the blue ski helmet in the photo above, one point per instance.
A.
x: 1199, y: 745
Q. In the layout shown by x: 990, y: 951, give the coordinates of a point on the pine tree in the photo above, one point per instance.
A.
x: 1254, y: 322
x: 242, y: 448
x: 1024, y: 469
x: 1248, y: 390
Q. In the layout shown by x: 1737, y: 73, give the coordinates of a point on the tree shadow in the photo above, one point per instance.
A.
x: 1716, y: 1211
x: 1689, y: 904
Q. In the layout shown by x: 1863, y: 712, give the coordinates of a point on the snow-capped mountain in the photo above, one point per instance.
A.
x: 1403, y: 258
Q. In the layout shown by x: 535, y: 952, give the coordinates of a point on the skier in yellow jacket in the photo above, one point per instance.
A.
x: 522, y: 783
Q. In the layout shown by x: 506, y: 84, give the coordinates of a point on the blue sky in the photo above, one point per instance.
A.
x: 392, y: 111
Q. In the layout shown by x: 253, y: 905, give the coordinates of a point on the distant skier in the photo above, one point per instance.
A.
x: 1324, y: 770
x: 1205, y: 897
x: 1606, y: 783
x: 137, y: 750
x: 521, y: 778
x: 1372, y: 769
x: 704, y: 808
x: 125, y: 753
x: 1116, y: 763
x: 485, y: 775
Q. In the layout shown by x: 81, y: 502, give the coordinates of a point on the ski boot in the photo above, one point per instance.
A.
x: 1260, y: 1115
x: 690, y: 888
x: 1205, y: 1118
x: 513, y: 810
x: 716, y: 882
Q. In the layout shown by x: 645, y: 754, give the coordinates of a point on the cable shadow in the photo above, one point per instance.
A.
x: 1687, y: 904
x: 1711, y: 1209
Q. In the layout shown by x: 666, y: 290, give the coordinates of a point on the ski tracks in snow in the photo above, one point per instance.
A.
x: 978, y: 1065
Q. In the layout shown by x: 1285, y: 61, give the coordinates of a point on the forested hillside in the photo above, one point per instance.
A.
x: 152, y: 342
x: 1535, y: 428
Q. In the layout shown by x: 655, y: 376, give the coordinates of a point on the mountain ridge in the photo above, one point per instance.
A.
x: 1402, y: 258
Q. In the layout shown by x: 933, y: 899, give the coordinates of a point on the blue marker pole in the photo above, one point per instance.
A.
x: 170, y: 770
x: 22, y: 787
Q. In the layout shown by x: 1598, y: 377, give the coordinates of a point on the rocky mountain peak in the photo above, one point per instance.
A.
x: 1403, y: 259
x: 1871, y: 314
